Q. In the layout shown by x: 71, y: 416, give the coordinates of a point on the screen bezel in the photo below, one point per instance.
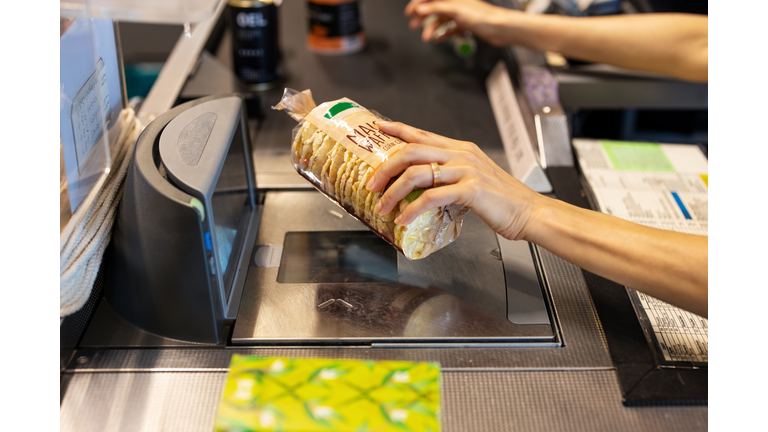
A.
x: 228, y: 274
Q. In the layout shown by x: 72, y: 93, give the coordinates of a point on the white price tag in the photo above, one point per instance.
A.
x: 90, y: 110
x: 523, y: 162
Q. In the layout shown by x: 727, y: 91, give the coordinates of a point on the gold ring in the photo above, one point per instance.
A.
x: 436, y: 180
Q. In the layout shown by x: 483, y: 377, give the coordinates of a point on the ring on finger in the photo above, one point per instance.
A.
x: 436, y: 176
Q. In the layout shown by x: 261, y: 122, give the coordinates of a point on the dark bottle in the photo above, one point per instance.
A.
x: 256, y: 56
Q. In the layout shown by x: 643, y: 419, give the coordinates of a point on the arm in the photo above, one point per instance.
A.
x: 670, y: 266
x: 671, y: 44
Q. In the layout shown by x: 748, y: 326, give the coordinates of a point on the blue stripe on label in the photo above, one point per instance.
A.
x: 681, y: 205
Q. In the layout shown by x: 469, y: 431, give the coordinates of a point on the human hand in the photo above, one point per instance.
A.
x: 481, y: 18
x: 469, y: 177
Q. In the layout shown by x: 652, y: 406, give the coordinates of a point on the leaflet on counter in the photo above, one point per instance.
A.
x: 662, y: 186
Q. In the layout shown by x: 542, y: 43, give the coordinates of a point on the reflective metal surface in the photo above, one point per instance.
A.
x: 337, y: 257
x: 456, y: 295
x: 583, y: 346
x: 525, y: 303
x: 543, y: 112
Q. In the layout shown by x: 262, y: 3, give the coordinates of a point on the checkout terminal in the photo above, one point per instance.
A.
x: 189, y: 240
x: 220, y: 247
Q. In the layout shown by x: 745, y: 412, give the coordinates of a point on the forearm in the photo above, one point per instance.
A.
x: 670, y: 44
x: 667, y: 265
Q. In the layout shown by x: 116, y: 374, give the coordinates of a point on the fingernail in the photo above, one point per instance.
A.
x: 370, y: 183
x: 398, y: 219
x: 378, y: 207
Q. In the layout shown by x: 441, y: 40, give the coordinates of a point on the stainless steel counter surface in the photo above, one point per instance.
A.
x: 571, y: 388
x: 471, y: 401
x: 583, y: 347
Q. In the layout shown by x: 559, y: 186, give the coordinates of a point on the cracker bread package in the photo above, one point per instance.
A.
x: 337, y: 146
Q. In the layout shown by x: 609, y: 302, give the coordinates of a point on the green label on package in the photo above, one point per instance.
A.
x: 354, y: 127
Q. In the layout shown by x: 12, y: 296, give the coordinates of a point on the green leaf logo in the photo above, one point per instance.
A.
x: 339, y: 107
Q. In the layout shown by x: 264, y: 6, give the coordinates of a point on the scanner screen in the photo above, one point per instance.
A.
x: 231, y: 206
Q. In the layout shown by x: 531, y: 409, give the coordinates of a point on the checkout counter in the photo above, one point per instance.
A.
x: 522, y: 337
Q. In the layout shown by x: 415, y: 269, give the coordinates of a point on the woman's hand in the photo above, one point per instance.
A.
x: 670, y: 266
x: 672, y: 44
x: 481, y: 18
x: 469, y: 178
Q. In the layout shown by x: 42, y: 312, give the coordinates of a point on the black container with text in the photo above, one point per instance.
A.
x: 255, y: 51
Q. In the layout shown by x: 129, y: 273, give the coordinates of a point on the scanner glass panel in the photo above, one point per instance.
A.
x: 336, y: 257
x: 230, y: 204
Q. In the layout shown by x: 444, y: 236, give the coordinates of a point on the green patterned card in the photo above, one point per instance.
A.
x: 307, y: 395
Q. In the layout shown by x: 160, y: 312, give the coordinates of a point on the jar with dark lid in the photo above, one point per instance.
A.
x: 335, y: 26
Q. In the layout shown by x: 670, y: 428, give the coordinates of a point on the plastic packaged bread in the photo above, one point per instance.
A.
x: 337, y: 146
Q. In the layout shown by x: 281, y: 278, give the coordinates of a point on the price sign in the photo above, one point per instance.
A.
x: 90, y: 110
x: 523, y: 162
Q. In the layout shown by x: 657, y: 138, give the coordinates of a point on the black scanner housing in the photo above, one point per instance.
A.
x: 159, y: 278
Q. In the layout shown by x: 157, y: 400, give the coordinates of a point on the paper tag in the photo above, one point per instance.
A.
x: 355, y: 128
x: 517, y: 144
x: 90, y: 111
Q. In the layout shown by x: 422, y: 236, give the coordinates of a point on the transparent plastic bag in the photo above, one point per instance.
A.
x: 337, y: 147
